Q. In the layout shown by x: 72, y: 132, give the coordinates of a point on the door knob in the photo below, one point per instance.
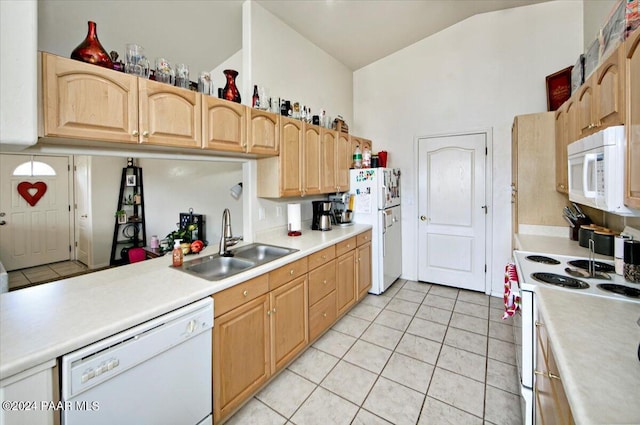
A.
x: 2, y: 223
x: 423, y: 217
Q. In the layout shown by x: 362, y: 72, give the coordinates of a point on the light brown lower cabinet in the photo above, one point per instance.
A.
x: 363, y: 260
x: 261, y: 325
x: 552, y: 406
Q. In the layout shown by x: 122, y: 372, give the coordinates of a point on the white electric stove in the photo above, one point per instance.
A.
x: 566, y: 274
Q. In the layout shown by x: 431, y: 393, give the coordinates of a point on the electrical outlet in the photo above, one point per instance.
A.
x: 278, y: 211
x: 262, y: 214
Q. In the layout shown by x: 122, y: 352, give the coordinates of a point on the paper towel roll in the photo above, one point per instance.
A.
x: 619, y: 245
x: 294, y: 218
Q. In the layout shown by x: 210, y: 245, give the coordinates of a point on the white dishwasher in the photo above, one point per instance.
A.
x: 158, y: 372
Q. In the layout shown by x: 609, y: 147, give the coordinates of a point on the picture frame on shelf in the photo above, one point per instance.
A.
x: 122, y: 217
x: 558, y: 88
x: 131, y: 180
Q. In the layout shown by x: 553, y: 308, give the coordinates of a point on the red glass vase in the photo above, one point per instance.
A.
x: 230, y: 91
x: 91, y: 51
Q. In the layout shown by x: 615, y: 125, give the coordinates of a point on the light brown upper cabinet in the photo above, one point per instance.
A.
x: 328, y: 140
x: 281, y: 176
x: 224, y: 125
x: 263, y: 133
x: 88, y: 102
x: 562, y: 179
x: 311, y: 168
x: 609, y: 85
x: 169, y: 116
x: 344, y: 156
x: 632, y: 59
x: 586, y: 114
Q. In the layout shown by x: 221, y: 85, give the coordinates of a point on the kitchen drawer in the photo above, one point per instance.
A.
x: 322, y: 257
x: 322, y: 315
x: 235, y: 296
x: 287, y: 273
x: 322, y: 281
x: 345, y: 246
x: 364, y: 237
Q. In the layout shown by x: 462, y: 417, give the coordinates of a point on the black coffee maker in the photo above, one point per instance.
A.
x: 321, y: 215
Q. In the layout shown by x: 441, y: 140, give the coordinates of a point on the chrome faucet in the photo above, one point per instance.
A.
x: 226, y: 238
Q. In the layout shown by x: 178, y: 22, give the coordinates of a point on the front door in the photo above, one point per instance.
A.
x: 34, y: 210
x: 452, y: 208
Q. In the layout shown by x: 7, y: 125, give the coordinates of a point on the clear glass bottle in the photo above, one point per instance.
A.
x: 366, y: 158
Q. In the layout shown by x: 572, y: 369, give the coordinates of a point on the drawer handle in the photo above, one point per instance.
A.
x: 245, y: 293
x: 324, y: 257
x: 324, y: 314
x: 553, y: 376
x: 348, y: 246
x: 291, y: 272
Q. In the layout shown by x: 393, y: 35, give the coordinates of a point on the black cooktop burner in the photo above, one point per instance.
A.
x: 599, y: 267
x: 542, y: 259
x: 558, y: 280
x: 620, y: 289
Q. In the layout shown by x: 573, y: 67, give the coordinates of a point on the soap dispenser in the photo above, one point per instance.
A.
x: 177, y: 253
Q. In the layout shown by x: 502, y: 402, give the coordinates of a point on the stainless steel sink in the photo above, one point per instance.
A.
x: 261, y: 253
x: 214, y: 267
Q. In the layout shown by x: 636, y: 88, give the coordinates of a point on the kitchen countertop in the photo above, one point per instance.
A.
x: 595, y: 343
x: 554, y: 245
x: 43, y: 322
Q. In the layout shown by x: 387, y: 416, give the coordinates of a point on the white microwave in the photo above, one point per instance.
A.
x: 596, y: 171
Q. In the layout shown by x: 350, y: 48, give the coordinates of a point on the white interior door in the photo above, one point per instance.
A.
x: 83, y: 209
x: 31, y: 235
x: 452, y: 208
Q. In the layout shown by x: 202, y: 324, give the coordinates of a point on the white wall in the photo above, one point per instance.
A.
x: 171, y: 187
x: 477, y: 74
x: 291, y: 67
x: 199, y: 33
x: 595, y: 15
x: 18, y: 71
x: 104, y: 175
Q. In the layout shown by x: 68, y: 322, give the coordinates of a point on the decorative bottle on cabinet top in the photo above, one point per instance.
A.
x: 91, y: 51
x: 230, y: 91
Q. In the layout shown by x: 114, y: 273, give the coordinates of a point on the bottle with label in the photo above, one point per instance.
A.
x: 366, y: 157
x: 256, y: 97
x: 177, y: 253
x: 357, y: 157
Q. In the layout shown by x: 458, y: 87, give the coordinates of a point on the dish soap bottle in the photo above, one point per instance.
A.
x: 177, y: 253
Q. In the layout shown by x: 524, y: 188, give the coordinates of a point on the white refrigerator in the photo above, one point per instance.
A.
x: 377, y: 202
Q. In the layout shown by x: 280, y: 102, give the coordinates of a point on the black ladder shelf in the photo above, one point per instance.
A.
x: 129, y: 231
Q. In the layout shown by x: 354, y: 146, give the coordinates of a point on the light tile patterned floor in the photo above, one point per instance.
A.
x: 418, y: 354
x: 47, y: 273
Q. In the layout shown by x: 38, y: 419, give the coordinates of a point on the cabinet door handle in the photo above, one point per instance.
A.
x: 268, y: 312
x: 291, y: 272
x: 553, y: 376
x: 324, y: 257
x: 348, y: 246
x: 274, y: 310
x: 145, y: 133
x: 245, y: 293
x: 538, y: 324
x: 324, y: 314
x: 324, y: 282
x: 135, y: 133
